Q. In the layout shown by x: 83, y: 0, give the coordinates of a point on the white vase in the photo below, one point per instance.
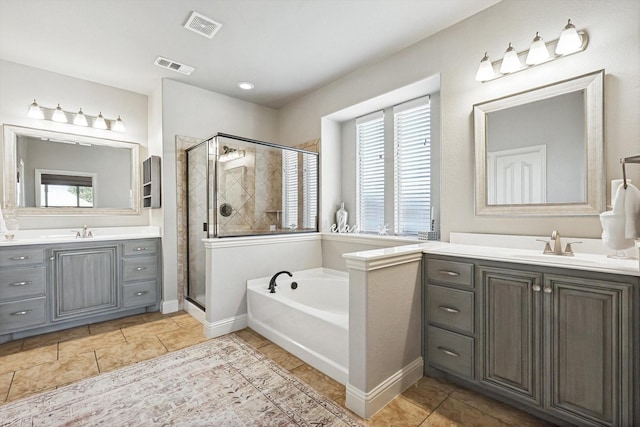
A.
x: 341, y: 219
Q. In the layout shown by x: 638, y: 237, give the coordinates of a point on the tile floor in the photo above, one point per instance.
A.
x: 44, y: 362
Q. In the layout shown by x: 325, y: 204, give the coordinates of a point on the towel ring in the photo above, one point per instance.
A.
x: 632, y: 159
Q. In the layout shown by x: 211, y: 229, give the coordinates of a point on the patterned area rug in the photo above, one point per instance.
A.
x: 222, y: 382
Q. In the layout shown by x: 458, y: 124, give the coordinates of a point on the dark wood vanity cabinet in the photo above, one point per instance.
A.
x: 50, y: 287
x: 561, y: 342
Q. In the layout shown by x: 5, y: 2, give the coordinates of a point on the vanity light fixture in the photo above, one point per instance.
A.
x: 79, y: 119
x: 571, y: 41
x: 246, y: 85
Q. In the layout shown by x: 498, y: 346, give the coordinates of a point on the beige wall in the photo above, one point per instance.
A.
x: 614, y: 45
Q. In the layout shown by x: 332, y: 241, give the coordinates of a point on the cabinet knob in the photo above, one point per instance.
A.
x: 448, y: 352
x: 24, y: 283
x: 547, y: 289
x: 536, y: 288
x: 448, y: 273
x: 449, y: 309
x: 20, y: 313
x: 139, y: 294
x: 20, y: 258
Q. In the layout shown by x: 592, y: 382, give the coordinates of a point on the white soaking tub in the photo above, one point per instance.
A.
x: 311, y: 321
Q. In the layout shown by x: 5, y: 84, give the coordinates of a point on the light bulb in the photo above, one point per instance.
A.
x: 80, y: 119
x: 118, y: 125
x: 99, y: 122
x: 570, y: 41
x: 485, y: 69
x: 246, y: 85
x: 35, y: 112
x: 58, y: 115
x: 538, y: 52
x: 510, y: 61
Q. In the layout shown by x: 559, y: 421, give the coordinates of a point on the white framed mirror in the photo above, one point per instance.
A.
x: 55, y: 173
x: 541, y: 152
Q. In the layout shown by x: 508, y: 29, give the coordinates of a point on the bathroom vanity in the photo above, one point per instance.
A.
x: 559, y: 340
x: 72, y: 282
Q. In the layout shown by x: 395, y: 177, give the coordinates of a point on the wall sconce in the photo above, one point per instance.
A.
x: 570, y: 41
x: 79, y: 119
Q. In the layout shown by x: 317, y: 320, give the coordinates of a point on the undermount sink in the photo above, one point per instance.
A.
x: 577, y: 259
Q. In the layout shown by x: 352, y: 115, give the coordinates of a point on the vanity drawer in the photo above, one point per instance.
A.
x: 22, y: 282
x: 139, y: 268
x: 22, y: 314
x: 22, y: 256
x: 139, y: 294
x: 450, y: 351
x: 140, y: 247
x: 451, y: 308
x: 456, y: 273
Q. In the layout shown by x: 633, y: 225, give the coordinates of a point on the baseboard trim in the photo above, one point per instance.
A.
x: 366, y: 404
x: 225, y: 326
x: 170, y: 306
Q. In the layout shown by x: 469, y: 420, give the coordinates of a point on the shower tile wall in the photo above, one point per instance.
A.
x: 252, y: 185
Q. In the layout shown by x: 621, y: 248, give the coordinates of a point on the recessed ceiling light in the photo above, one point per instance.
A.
x: 245, y: 85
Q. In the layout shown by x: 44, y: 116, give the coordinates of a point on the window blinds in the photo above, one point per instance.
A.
x: 289, y: 188
x: 309, y: 190
x: 370, y: 172
x: 412, y: 166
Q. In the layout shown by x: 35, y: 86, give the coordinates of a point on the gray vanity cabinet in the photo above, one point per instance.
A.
x: 561, y: 342
x: 85, y: 281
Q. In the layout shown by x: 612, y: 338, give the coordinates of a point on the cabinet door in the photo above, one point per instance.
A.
x: 84, y: 281
x: 511, y: 332
x: 587, y: 337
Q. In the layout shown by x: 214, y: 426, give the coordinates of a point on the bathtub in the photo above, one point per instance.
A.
x: 311, y: 321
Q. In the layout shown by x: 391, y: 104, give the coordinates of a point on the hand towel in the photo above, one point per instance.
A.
x: 632, y: 211
x: 614, y: 223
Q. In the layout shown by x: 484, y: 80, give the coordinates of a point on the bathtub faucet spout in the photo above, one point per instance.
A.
x: 272, y: 282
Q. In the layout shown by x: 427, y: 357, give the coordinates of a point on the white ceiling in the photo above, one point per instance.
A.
x: 285, y: 47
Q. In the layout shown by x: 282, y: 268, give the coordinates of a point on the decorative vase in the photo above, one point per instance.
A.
x: 341, y: 219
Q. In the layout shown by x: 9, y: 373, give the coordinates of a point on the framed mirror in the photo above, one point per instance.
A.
x: 54, y: 173
x: 541, y: 152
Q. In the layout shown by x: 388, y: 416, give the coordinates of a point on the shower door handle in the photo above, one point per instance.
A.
x: 205, y: 227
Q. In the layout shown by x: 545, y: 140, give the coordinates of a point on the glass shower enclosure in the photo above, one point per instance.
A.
x: 242, y: 187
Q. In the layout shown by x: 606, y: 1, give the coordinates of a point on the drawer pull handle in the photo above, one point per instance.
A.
x: 448, y: 352
x: 448, y: 273
x: 21, y: 313
x: 20, y: 258
x: 141, y: 249
x: 536, y: 288
x: 449, y: 309
x: 140, y: 268
x: 25, y: 283
x: 139, y: 294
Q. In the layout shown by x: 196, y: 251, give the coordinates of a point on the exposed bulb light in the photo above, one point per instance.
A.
x: 570, y: 41
x: 510, y: 61
x: 35, y: 112
x: 538, y: 52
x: 58, y: 115
x: 99, y: 122
x: 246, y: 85
x: 485, y: 69
x: 80, y: 119
x: 118, y: 125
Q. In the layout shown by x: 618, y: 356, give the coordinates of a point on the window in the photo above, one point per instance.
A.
x: 370, y: 172
x: 289, y: 189
x: 407, y: 184
x: 412, y: 167
x: 309, y: 190
x: 65, y: 189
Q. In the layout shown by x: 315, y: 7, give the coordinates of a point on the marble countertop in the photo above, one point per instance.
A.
x: 52, y: 236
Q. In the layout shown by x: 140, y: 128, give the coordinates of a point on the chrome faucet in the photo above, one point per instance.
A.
x: 557, y: 245
x: 272, y: 282
x: 85, y: 233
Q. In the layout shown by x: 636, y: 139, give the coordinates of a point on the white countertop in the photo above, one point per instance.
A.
x: 49, y: 236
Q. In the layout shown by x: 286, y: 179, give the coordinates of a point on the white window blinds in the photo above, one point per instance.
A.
x: 370, y: 172
x: 412, y: 166
x: 289, y: 189
x: 309, y: 190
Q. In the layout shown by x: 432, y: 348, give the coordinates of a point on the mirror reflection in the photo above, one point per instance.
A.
x: 541, y: 152
x: 54, y: 173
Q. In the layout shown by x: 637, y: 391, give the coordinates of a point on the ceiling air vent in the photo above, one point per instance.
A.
x: 173, y: 65
x: 202, y: 25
